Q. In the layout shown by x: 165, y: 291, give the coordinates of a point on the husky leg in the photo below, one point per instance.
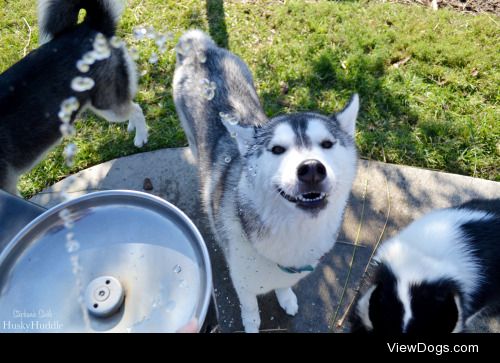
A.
x: 135, y: 117
x: 249, y: 310
x: 288, y: 300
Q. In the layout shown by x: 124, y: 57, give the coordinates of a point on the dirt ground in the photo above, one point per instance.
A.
x: 469, y: 6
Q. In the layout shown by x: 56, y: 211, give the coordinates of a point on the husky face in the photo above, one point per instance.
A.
x: 298, y: 161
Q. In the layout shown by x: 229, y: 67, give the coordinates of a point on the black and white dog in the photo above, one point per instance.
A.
x: 436, y: 274
x: 78, y: 66
x: 274, y: 190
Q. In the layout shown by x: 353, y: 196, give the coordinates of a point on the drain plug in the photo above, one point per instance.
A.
x: 104, y: 296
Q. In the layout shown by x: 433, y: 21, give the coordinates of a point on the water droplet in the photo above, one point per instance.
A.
x: 153, y: 59
x: 81, y: 84
x: 88, y: 58
x: 177, y: 269
x: 82, y: 66
x: 72, y: 246
x: 69, y: 153
x: 101, y: 49
x: 64, y: 117
x: 170, y: 305
x: 67, y: 129
x: 227, y: 159
x: 116, y: 42
x: 139, y: 33
x: 250, y: 168
x: 150, y: 32
x: 229, y: 118
x: 160, y: 40
x: 208, y: 88
x: 70, y: 105
x: 271, y: 318
x: 234, y: 134
x: 64, y: 214
x: 134, y: 53
x: 69, y: 224
x: 183, y: 284
x: 202, y: 57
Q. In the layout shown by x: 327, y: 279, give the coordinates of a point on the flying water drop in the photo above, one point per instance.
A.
x: 82, y: 84
x: 116, y: 42
x: 82, y: 66
x: 153, y: 59
x: 208, y: 88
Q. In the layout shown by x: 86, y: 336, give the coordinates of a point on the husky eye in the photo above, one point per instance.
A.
x: 277, y: 150
x: 327, y: 144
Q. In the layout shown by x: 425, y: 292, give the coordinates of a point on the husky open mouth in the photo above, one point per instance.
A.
x: 311, y: 199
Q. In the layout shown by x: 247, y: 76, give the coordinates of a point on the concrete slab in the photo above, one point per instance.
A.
x: 385, y: 198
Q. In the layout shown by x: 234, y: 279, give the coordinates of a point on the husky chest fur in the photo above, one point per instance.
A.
x: 274, y: 190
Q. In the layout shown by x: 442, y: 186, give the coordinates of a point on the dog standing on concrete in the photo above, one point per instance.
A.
x: 274, y: 190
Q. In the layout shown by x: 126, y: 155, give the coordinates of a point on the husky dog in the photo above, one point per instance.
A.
x: 274, y: 190
x: 32, y: 90
x: 436, y: 274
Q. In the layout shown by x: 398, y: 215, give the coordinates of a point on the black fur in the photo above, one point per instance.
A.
x: 31, y: 91
x: 434, y: 303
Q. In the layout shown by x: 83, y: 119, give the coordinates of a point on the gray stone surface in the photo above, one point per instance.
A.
x: 385, y: 198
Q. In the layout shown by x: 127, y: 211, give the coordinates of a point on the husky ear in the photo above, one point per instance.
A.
x: 347, y: 117
x: 244, y: 135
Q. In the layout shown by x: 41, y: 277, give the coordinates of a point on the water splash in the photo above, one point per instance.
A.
x: 231, y: 119
x: 139, y: 32
x: 116, y: 42
x: 70, y: 105
x: 208, y: 88
x: 153, y: 59
x: 82, y: 66
x: 69, y: 154
x: 201, y: 56
x: 82, y: 84
x: 101, y: 49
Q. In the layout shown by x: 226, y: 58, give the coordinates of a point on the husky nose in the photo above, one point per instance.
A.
x: 311, y: 171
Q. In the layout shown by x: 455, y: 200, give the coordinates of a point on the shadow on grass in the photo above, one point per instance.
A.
x: 383, y: 115
x: 216, y: 23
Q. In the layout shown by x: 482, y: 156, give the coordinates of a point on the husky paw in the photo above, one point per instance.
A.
x: 287, y: 300
x: 141, y: 137
x: 251, y: 322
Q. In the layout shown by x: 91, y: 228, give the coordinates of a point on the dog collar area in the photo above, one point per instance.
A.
x: 295, y: 270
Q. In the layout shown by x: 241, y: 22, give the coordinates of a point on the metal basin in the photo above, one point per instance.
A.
x: 139, y: 265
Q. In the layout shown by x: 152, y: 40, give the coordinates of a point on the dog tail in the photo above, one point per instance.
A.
x: 56, y: 17
x: 193, y: 43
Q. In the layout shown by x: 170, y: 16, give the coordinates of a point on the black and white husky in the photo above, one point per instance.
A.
x: 436, y: 274
x: 274, y: 190
x: 81, y: 64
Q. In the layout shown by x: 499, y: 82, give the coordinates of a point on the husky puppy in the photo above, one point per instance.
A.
x: 274, y: 190
x: 32, y: 91
x: 436, y: 274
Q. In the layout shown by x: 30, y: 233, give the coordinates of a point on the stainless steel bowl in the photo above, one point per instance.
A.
x: 119, y: 261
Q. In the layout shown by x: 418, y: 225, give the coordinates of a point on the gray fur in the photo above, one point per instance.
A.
x: 253, y: 237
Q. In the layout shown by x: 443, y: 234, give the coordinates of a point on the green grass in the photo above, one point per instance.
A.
x: 438, y: 110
